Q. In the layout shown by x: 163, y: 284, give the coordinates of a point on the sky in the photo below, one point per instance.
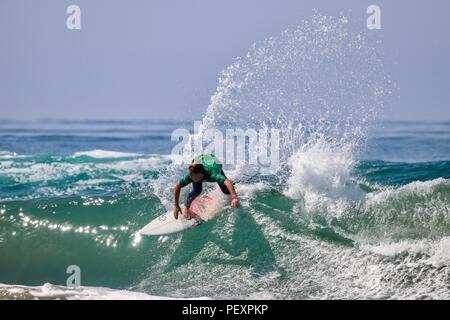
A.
x: 160, y: 59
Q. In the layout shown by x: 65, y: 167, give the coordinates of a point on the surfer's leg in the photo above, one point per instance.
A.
x: 222, y: 186
x: 196, y: 190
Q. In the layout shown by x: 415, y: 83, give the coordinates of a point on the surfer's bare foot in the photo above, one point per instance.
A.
x: 186, y: 214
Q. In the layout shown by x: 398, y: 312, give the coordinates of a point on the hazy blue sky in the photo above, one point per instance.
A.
x: 161, y: 59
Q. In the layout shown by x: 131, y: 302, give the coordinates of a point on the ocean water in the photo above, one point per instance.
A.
x: 358, y: 208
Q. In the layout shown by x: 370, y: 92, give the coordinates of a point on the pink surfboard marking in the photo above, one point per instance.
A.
x: 200, y: 201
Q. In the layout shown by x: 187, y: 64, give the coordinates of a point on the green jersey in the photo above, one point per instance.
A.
x: 213, y: 170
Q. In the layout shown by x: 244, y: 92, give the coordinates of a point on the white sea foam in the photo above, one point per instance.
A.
x: 50, y: 291
x: 5, y: 164
x: 94, y: 182
x: 35, y: 172
x: 152, y: 163
x: 320, y: 178
x: 436, y: 253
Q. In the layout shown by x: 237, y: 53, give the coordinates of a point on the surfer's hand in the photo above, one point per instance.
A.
x: 176, y: 210
x: 187, y: 214
x: 235, y: 203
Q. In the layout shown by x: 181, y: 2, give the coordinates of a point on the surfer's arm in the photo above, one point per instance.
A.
x: 234, y: 197
x: 176, y: 200
x: 176, y: 195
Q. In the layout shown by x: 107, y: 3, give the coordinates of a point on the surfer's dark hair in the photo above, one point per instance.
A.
x: 196, y: 168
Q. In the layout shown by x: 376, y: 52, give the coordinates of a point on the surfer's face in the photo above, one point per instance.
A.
x: 196, y: 177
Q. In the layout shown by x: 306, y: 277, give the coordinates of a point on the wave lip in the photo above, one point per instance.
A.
x: 49, y: 291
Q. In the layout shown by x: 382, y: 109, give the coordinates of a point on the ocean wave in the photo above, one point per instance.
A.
x: 370, y: 212
x: 416, y: 210
x: 436, y: 253
x: 254, y: 252
x: 104, y: 154
x: 51, y: 176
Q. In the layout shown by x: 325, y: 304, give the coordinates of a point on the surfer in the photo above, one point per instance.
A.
x: 204, y: 167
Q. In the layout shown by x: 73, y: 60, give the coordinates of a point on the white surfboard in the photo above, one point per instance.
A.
x: 202, y: 209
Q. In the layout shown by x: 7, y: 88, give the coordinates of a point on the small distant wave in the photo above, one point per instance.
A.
x: 104, y: 154
x: 401, y: 173
x: 7, y: 155
x: 53, y: 292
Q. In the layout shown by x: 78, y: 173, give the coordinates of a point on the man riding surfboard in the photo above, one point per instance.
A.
x: 204, y: 167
